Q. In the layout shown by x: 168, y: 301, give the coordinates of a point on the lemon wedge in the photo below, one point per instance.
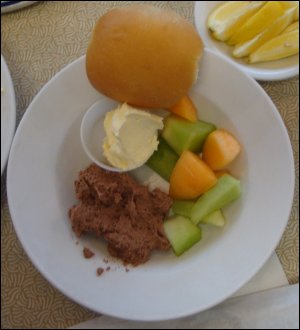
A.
x: 282, y: 46
x: 228, y: 17
x: 258, y: 22
x: 275, y: 28
x: 292, y: 27
x: 296, y: 16
x: 291, y: 4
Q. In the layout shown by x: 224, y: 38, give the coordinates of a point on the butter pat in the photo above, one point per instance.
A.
x: 131, y: 136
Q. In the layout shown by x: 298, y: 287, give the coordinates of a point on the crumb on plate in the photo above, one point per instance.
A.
x: 100, y: 271
x: 87, y: 253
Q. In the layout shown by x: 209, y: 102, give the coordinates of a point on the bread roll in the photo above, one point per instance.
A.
x: 143, y: 55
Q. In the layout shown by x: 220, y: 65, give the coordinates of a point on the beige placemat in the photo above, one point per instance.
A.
x: 36, y: 43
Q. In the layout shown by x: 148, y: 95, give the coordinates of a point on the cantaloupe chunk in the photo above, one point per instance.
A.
x: 185, y: 108
x: 220, y: 173
x: 190, y: 177
x: 220, y: 149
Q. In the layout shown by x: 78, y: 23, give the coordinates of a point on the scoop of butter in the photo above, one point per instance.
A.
x: 131, y: 136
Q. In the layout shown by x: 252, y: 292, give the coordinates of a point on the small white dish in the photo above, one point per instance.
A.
x: 8, y: 6
x: 47, y: 155
x: 274, y: 70
x: 92, y: 132
x: 8, y: 112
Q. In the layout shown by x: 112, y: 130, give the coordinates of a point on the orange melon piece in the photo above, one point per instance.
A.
x: 185, y: 108
x: 220, y: 173
x: 190, y: 177
x: 220, y: 149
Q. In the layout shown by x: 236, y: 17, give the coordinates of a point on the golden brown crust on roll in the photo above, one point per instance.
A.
x: 143, y: 55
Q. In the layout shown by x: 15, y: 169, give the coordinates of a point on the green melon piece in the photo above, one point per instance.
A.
x: 182, y: 135
x: 225, y: 191
x: 183, y: 208
x: 163, y: 160
x: 181, y: 233
x: 215, y: 218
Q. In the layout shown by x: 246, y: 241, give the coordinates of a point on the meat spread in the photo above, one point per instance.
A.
x: 126, y: 214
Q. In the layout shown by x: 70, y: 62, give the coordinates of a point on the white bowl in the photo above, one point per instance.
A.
x: 45, y: 159
x: 92, y: 132
x: 8, y: 112
x: 275, y: 70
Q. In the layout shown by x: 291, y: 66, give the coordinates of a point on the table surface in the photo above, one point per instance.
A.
x: 37, y: 42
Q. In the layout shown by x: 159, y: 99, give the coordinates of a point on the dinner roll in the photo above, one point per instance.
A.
x: 143, y: 55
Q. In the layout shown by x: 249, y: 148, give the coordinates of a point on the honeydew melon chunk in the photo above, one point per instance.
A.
x: 181, y: 233
x: 183, y: 208
x: 226, y: 190
x: 163, y: 160
x: 215, y: 218
x: 182, y: 135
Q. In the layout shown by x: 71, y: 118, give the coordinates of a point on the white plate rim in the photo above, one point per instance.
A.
x: 9, y: 7
x: 183, y: 314
x: 10, y: 93
x: 262, y: 75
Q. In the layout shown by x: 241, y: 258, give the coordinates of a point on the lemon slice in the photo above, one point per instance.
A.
x: 296, y: 16
x: 245, y: 48
x: 291, y: 4
x: 292, y: 27
x: 228, y: 17
x: 257, y: 23
x: 282, y: 46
